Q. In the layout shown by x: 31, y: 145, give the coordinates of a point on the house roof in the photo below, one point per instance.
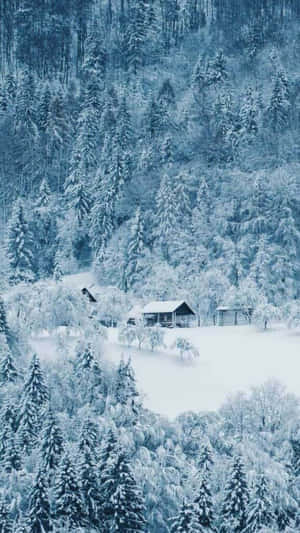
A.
x: 234, y: 307
x: 163, y: 307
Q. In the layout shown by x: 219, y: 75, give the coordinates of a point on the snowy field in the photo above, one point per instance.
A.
x: 231, y: 359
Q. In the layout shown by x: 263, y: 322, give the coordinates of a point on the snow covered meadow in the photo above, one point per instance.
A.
x: 231, y: 359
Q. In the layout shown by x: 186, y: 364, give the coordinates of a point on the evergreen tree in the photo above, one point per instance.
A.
x: 4, y: 330
x: 68, y: 504
x: 199, y: 78
x: 35, y: 389
x: 44, y: 230
x: 52, y: 445
x: 279, y: 108
x: 125, y: 387
x: 89, y: 373
x: 39, y: 513
x: 9, y: 415
x: 156, y: 119
x: 89, y: 439
x: 125, y: 126
x: 205, y: 460
x: 201, y: 215
x: 25, y: 109
x: 86, y: 144
x: 249, y: 114
x: 11, y: 459
x: 57, y: 271
x: 10, y: 87
x: 84, y: 358
x: 108, y: 450
x: 8, y: 371
x: 167, y: 151
x: 3, y: 101
x: 135, y: 252
x: 20, y: 246
x: 236, y: 497
x: 80, y: 202
x: 260, y: 513
x: 260, y: 268
x: 108, y: 117
x: 183, y: 199
x: 102, y: 217
x: 59, y: 129
x: 90, y: 490
x: 295, y: 444
x: 259, y: 209
x: 166, y: 94
x: 218, y: 69
x: 43, y: 109
x: 6, y: 525
x: 204, y: 505
x: 28, y: 426
x: 136, y: 35
x: 123, y: 507
x: 34, y: 398
x: 95, y: 58
x: 186, y: 521
x: 166, y: 215
x: 286, y: 233
x: 44, y: 197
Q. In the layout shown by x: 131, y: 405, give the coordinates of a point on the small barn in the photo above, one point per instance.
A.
x: 174, y: 313
x: 234, y: 315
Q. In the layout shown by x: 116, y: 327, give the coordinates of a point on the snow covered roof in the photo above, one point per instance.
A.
x: 163, y: 307
x: 233, y: 307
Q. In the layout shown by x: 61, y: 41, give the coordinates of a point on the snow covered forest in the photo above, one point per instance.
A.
x: 156, y: 144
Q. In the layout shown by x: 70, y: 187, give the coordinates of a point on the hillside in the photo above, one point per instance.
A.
x: 158, y: 143
x: 149, y: 150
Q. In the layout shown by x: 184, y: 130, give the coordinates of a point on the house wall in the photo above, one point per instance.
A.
x: 169, y: 319
x: 233, y: 317
x: 158, y: 318
x: 185, y: 321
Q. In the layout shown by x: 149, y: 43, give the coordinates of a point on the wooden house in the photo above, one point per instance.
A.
x: 234, y: 315
x: 175, y: 313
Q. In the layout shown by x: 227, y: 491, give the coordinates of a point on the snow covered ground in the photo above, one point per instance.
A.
x: 231, y: 359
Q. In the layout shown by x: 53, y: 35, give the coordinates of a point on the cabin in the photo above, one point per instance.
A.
x: 175, y: 313
x: 234, y: 315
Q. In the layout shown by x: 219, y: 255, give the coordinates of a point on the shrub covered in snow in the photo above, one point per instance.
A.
x: 186, y: 349
x: 155, y: 337
x: 264, y: 314
x: 47, y: 306
x: 127, y: 334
